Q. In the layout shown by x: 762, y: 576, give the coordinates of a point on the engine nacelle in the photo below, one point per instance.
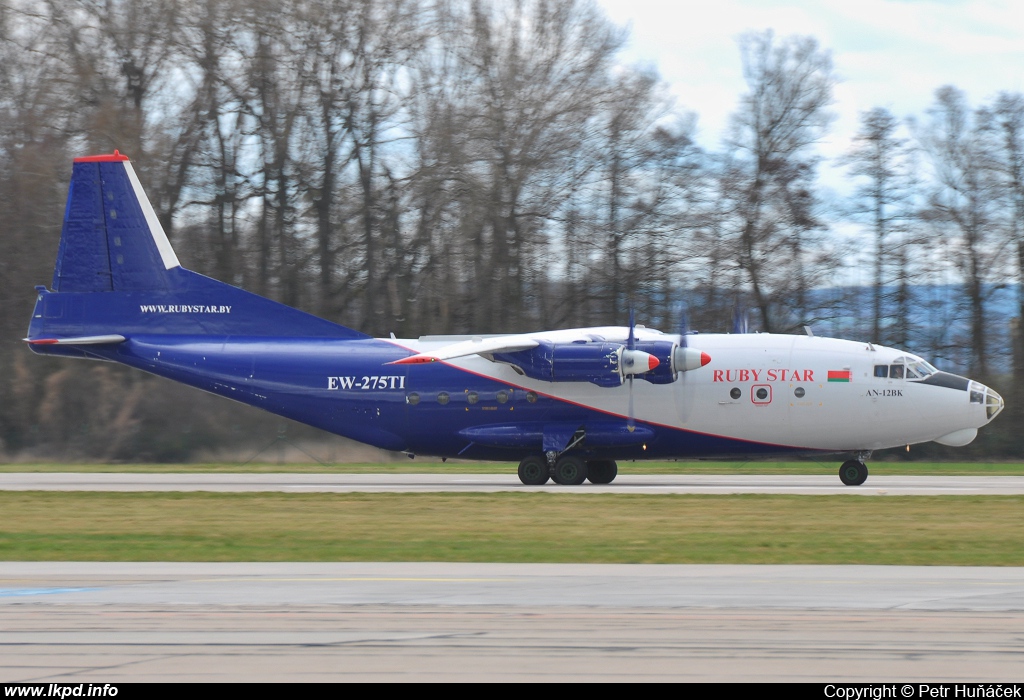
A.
x: 604, y: 364
x: 672, y: 359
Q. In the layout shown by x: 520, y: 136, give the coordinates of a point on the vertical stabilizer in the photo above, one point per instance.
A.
x: 112, y: 239
x: 117, y: 277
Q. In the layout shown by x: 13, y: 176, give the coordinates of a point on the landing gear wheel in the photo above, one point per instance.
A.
x: 570, y: 471
x: 602, y: 471
x: 853, y: 472
x: 534, y: 471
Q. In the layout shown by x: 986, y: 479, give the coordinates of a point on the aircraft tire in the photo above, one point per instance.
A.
x: 570, y: 470
x: 602, y: 471
x: 534, y: 471
x: 853, y: 472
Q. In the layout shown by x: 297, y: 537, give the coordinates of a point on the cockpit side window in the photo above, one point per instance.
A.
x: 882, y: 371
x: 896, y: 371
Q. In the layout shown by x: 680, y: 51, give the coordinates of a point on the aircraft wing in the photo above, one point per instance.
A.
x: 476, y: 346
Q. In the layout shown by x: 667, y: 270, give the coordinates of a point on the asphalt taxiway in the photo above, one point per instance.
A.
x: 477, y: 483
x: 121, y: 622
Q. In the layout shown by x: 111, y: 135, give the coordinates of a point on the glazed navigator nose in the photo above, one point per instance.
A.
x: 984, y: 396
x: 993, y: 403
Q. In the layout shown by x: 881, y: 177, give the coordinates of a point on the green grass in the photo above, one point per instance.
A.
x: 825, y: 465
x: 513, y: 527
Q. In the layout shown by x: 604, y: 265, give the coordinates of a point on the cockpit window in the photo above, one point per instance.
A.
x: 907, y: 368
x: 882, y: 371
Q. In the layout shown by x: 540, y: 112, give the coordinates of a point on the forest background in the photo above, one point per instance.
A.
x: 455, y: 166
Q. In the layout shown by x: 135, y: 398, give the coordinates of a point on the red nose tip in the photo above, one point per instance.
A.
x: 704, y: 358
x: 652, y: 362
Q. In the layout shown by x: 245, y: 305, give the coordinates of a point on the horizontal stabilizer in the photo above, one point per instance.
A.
x: 81, y: 340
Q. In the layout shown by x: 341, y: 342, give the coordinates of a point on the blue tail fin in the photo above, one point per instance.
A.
x: 117, y: 275
x: 112, y: 239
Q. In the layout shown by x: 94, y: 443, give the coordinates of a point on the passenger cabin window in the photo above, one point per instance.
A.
x: 882, y: 371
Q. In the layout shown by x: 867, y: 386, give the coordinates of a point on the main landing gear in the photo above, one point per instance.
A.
x: 534, y: 471
x: 853, y: 472
x: 568, y: 470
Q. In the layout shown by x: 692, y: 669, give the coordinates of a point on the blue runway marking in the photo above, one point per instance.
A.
x: 15, y: 592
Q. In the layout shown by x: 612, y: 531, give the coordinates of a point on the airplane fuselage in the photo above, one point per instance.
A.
x: 761, y: 394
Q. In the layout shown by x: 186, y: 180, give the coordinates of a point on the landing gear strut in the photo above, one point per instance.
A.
x: 853, y: 472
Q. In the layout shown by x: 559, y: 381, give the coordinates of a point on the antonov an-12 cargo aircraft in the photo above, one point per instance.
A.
x: 565, y: 404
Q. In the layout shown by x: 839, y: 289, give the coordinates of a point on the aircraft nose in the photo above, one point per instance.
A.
x: 993, y: 402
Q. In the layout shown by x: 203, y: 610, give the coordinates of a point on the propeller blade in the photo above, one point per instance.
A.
x: 630, y: 420
x: 634, y: 362
x: 684, y: 326
x: 631, y: 340
x: 739, y: 320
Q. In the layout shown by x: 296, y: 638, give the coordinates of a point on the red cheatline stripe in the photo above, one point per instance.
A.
x: 114, y: 157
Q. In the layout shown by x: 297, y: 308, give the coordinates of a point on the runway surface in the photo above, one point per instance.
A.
x: 118, y: 622
x: 476, y: 483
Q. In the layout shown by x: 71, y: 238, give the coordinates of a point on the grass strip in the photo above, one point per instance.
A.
x: 513, y: 527
x: 824, y: 466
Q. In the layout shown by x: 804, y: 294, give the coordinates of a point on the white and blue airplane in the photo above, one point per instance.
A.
x: 565, y: 404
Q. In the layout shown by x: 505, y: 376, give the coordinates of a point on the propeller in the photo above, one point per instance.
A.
x: 634, y: 362
x: 687, y: 358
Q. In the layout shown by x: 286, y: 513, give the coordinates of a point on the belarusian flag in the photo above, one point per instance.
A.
x: 839, y: 375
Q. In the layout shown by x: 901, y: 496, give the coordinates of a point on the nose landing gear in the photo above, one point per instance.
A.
x: 853, y: 472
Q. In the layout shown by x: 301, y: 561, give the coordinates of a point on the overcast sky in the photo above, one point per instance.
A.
x: 888, y: 53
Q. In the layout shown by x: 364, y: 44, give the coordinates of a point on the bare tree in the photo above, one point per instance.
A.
x: 1007, y: 117
x: 535, y: 73
x: 883, y: 201
x: 963, y: 207
x: 769, y: 173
